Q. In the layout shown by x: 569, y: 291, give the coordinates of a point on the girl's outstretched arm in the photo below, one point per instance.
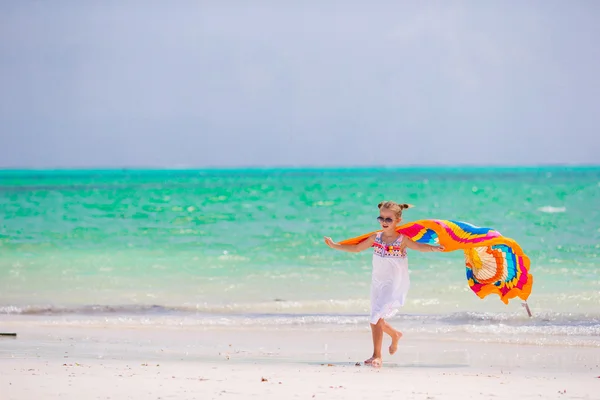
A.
x: 351, y: 248
x: 420, y: 246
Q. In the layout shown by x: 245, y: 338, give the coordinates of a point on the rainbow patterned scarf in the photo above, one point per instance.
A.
x: 495, y: 264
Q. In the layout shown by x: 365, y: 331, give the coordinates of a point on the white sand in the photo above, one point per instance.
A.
x: 62, y: 362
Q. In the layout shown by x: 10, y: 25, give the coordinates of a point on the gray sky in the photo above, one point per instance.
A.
x: 278, y: 83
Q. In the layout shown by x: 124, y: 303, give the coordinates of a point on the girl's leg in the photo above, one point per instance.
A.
x: 394, y: 334
x: 377, y: 333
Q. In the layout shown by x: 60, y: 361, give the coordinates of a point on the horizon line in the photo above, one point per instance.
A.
x: 297, y: 167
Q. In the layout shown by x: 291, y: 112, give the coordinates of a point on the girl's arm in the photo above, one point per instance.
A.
x: 420, y: 246
x: 351, y: 248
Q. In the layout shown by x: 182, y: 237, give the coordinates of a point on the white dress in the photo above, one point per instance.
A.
x: 390, y: 280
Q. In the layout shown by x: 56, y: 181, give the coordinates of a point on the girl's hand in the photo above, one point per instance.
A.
x: 438, y: 248
x: 329, y: 242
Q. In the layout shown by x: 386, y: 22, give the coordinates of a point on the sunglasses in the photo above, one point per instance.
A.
x: 386, y: 220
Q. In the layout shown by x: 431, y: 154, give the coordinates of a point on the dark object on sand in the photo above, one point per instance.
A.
x: 8, y: 334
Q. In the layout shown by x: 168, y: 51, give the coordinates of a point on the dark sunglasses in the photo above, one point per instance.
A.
x: 386, y: 220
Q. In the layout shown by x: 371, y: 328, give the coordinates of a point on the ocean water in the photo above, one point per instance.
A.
x: 245, y: 247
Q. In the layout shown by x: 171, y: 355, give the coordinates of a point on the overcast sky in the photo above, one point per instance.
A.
x: 278, y: 83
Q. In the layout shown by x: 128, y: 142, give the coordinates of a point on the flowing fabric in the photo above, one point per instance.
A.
x: 494, y: 263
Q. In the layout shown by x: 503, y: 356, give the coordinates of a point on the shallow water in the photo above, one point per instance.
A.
x: 245, y: 247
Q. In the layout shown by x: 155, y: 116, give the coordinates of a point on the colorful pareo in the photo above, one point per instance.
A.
x: 494, y: 263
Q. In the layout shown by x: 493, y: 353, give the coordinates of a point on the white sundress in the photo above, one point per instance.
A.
x: 390, y: 280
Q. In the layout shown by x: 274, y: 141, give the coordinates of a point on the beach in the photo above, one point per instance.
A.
x: 176, y: 181
x: 211, y: 284
x: 58, y: 361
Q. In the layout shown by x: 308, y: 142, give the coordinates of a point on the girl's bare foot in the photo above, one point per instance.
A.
x: 376, y: 363
x: 395, y: 338
x: 369, y: 361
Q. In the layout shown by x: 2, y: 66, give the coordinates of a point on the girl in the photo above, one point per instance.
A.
x: 390, y: 279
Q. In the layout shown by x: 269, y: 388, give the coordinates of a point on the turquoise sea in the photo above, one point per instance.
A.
x: 245, y: 247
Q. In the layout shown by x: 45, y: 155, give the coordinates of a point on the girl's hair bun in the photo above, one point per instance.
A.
x: 395, y: 207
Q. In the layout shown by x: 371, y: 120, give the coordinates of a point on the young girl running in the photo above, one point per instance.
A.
x: 390, y: 279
